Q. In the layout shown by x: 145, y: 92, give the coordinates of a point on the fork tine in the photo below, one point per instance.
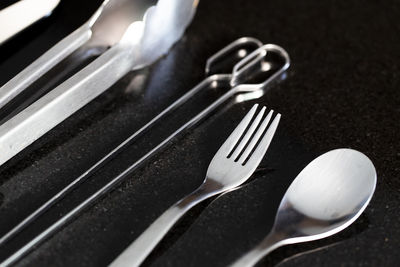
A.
x: 249, y: 133
x: 228, y: 145
x: 262, y: 147
x: 256, y: 137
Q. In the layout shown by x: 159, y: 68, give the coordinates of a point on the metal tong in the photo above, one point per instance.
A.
x: 244, y: 91
x: 237, y: 46
x: 134, y: 44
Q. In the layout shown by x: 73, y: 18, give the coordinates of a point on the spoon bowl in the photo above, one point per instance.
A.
x: 328, y: 195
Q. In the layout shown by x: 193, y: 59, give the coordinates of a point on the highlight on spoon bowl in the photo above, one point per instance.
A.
x: 327, y: 196
x: 331, y: 192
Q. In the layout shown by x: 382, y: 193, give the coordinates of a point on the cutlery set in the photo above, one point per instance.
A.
x: 328, y: 195
x: 211, y: 81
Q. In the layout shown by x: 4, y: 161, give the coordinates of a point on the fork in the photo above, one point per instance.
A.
x: 232, y: 165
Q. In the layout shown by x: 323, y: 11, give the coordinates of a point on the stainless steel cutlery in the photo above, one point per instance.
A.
x: 327, y: 196
x: 241, y: 86
x: 246, y: 44
x: 134, y: 44
x: 231, y: 166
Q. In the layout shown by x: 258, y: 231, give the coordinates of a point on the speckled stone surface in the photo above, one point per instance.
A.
x: 342, y: 90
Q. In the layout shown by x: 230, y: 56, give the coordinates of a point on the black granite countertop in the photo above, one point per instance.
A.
x: 342, y: 90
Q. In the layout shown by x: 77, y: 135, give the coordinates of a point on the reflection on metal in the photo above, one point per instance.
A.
x: 249, y: 43
x: 301, y: 254
x: 22, y: 14
x: 238, y: 89
x: 249, y: 96
x: 328, y: 195
x: 231, y: 166
x: 141, y: 44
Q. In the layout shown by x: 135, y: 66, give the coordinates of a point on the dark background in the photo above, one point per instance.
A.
x: 341, y: 91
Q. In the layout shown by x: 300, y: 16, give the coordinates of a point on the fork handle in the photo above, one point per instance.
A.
x: 43, y: 64
x: 137, y: 252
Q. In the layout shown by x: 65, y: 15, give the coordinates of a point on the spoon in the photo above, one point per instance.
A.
x: 328, y: 195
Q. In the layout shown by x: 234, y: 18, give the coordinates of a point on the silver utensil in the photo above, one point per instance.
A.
x: 91, y: 30
x: 327, y: 196
x: 243, y: 45
x: 22, y: 14
x: 140, y: 44
x: 231, y: 166
x: 243, y: 92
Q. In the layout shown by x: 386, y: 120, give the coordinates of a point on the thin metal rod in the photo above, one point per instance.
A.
x: 114, y: 182
x: 74, y: 184
x: 239, y: 88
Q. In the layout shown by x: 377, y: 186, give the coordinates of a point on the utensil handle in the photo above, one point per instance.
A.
x: 51, y: 109
x: 75, y: 183
x: 137, y: 252
x: 113, y: 183
x: 270, y: 243
x: 43, y: 64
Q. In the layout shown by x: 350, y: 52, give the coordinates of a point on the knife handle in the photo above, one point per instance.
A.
x: 44, y: 63
x: 40, y: 117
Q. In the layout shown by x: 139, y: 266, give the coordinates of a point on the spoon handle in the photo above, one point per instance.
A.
x: 137, y: 252
x: 269, y: 243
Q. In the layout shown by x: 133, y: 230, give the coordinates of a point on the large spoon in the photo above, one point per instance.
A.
x: 326, y: 197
